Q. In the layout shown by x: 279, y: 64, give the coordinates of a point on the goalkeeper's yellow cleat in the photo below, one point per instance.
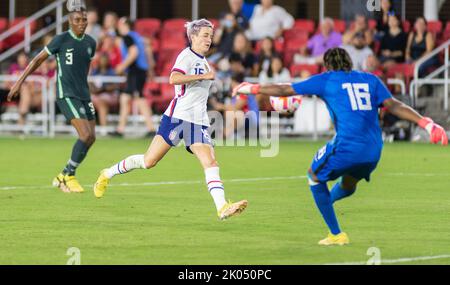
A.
x: 339, y: 239
x: 73, y: 184
x: 232, y: 209
x: 101, y: 184
x: 60, y: 182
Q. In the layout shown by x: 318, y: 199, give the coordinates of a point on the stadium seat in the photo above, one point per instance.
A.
x: 296, y: 69
x: 20, y: 35
x: 406, y: 25
x: 215, y: 23
x: 148, y: 27
x: 3, y: 24
x: 172, y: 44
x: 405, y: 69
x: 434, y: 27
x: 305, y: 25
x: 176, y: 24
x: 372, y: 24
x: 340, y: 26
x: 160, y: 103
x: 295, y: 34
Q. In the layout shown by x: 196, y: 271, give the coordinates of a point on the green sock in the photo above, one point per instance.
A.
x: 79, y: 152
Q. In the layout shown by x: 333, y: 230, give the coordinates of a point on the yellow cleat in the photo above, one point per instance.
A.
x: 339, y: 239
x: 60, y: 182
x: 73, y: 184
x: 101, y: 184
x: 232, y: 209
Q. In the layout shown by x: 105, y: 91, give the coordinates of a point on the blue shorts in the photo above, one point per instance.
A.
x: 329, y: 164
x: 174, y: 130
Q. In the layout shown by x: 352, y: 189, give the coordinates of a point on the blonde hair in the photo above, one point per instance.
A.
x: 194, y: 27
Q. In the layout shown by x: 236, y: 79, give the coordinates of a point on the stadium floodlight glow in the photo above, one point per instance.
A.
x: 76, y: 5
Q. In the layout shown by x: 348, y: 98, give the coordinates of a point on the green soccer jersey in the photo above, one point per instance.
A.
x: 74, y: 57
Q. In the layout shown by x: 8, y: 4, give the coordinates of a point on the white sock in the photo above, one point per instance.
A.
x: 128, y: 164
x: 215, y: 186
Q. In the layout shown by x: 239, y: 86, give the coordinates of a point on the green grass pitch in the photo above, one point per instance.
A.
x: 404, y: 211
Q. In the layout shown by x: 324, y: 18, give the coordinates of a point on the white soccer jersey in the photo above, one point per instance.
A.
x: 189, y: 103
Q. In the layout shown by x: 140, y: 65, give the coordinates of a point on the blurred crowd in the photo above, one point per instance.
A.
x: 262, y: 41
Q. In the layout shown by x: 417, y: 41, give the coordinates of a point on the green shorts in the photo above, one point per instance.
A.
x: 73, y: 108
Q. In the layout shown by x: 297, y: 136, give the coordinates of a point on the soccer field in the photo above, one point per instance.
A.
x: 166, y: 216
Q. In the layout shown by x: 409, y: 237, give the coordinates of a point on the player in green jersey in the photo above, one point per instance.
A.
x: 74, y: 51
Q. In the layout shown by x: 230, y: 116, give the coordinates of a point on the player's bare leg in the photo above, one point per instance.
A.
x: 66, y: 180
x: 206, y: 156
x: 124, y: 112
x: 157, y: 150
x: 146, y: 112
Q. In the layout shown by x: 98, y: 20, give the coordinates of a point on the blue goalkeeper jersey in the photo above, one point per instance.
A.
x: 353, y: 99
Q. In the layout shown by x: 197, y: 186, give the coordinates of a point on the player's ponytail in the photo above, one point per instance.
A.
x: 337, y: 59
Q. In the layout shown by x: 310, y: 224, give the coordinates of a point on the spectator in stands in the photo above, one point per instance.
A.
x: 277, y: 72
x: 393, y: 43
x: 420, y: 44
x: 325, y: 40
x: 110, y: 23
x: 360, y: 25
x: 135, y: 65
x: 93, y: 28
x: 266, y: 54
x: 359, y: 51
x: 30, y: 95
x: 109, y: 47
x: 224, y: 37
x: 242, y: 49
x: 302, y: 56
x: 382, y: 18
x: 268, y: 20
x: 104, y: 95
x: 238, y: 9
x: 373, y: 66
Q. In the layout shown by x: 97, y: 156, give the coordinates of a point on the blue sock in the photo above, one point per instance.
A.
x: 323, y: 201
x: 337, y: 193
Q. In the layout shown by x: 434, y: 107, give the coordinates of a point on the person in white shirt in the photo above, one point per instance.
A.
x: 186, y: 118
x: 268, y: 20
x: 358, y: 51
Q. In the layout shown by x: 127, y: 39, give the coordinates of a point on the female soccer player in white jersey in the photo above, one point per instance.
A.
x: 186, y: 118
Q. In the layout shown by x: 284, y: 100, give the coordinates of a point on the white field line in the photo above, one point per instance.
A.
x: 257, y: 179
x: 394, y: 261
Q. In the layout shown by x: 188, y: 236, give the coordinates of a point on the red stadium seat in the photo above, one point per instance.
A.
x: 148, y: 27
x: 295, y: 34
x: 340, y: 26
x: 447, y: 26
x: 176, y: 24
x: 296, y: 69
x: 372, y: 24
x: 3, y: 24
x: 404, y: 69
x: 172, y: 44
x: 173, y: 34
x: 406, y: 25
x: 215, y: 23
x: 20, y: 35
x: 305, y: 25
x: 434, y: 27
